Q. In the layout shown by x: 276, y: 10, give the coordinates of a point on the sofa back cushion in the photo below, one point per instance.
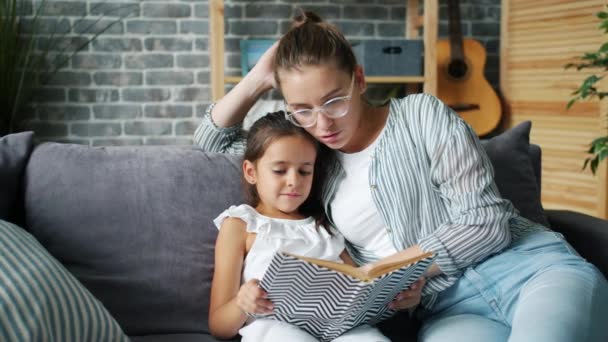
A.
x: 134, y: 225
x: 517, y: 170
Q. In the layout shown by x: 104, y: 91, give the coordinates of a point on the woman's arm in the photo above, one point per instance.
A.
x: 233, y: 107
x: 229, y: 300
x: 347, y: 259
x: 220, y: 129
x: 461, y: 172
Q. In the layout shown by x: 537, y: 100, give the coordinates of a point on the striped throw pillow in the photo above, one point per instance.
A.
x: 41, y: 301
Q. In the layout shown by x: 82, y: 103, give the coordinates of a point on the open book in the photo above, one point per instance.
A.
x: 326, y: 298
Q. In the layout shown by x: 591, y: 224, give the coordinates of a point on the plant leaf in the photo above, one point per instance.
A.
x: 594, y: 164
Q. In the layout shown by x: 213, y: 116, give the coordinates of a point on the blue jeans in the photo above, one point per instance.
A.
x: 539, y: 289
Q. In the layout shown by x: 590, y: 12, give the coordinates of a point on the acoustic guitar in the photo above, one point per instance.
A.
x: 460, y: 80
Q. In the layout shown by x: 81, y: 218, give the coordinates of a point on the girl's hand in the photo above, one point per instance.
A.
x: 408, y: 298
x: 252, y: 299
x: 263, y: 70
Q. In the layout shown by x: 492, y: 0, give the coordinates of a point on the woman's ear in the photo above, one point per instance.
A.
x: 249, y: 172
x: 360, y: 79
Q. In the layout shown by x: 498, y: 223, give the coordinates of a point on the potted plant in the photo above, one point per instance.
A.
x: 26, y: 65
x: 598, y: 62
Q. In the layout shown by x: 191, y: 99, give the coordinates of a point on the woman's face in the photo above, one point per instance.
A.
x: 311, y: 87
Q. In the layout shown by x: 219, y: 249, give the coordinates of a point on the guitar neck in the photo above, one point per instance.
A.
x: 456, y: 49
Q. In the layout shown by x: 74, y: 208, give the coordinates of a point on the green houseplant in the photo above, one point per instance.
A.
x: 598, y: 62
x: 26, y: 65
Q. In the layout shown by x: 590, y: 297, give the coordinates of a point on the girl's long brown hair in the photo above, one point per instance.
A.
x: 271, y: 127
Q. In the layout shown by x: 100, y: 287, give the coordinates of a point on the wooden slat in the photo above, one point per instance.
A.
x: 557, y: 108
x: 431, y: 10
x: 551, y: 52
x: 548, y: 16
x: 521, y: 4
x: 538, y: 64
x: 554, y: 8
x: 505, y: 39
x: 411, y: 23
x: 602, y: 171
x: 542, y: 41
x: 535, y: 32
x: 216, y: 44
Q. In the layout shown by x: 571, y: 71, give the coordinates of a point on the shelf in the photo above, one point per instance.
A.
x: 368, y: 79
x: 394, y: 79
x: 412, y: 25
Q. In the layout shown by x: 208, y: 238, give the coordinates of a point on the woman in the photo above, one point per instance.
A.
x: 412, y: 176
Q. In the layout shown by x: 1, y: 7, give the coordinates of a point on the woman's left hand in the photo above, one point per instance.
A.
x: 408, y: 298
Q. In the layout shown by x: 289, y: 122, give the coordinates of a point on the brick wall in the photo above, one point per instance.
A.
x: 146, y: 79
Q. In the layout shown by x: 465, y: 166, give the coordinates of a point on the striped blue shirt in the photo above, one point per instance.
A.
x: 431, y: 182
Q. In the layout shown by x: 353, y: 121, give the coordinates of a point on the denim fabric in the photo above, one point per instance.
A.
x: 538, y: 289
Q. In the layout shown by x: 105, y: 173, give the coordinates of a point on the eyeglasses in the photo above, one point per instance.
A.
x: 333, y: 109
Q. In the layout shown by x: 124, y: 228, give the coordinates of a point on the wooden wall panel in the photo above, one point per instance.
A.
x: 537, y: 39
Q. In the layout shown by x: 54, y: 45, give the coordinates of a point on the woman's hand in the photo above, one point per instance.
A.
x: 365, y: 268
x: 408, y: 298
x: 252, y: 299
x: 263, y: 70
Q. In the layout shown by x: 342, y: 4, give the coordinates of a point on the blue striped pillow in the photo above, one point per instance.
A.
x: 40, y: 300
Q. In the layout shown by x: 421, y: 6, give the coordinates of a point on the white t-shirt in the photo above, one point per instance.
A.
x: 353, y: 210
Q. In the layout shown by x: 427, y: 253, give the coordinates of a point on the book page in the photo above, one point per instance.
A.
x: 332, y: 265
x: 355, y: 272
x: 383, y: 268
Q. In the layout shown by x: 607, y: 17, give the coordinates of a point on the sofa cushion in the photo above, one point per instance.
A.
x: 514, y: 171
x: 41, y: 301
x: 134, y: 225
x: 15, y: 150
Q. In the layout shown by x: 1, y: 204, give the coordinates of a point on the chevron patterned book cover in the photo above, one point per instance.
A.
x: 327, y: 299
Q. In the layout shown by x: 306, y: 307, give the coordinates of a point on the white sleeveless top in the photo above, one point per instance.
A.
x: 299, y: 237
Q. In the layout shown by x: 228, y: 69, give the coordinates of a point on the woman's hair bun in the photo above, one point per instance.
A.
x: 303, y: 17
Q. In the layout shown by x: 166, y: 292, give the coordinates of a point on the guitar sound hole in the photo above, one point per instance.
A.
x: 457, y: 69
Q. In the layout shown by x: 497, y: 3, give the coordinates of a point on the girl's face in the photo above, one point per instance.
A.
x: 283, y: 176
x: 312, y: 86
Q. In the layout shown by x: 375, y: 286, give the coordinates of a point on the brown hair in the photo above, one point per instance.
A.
x: 271, y: 127
x: 311, y: 41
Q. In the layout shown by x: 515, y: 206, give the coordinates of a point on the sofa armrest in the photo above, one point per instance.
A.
x: 587, y: 234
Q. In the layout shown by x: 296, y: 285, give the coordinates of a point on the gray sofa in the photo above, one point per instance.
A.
x: 134, y: 224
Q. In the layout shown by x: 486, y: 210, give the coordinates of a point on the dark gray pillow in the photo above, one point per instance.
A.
x: 514, y: 173
x: 15, y: 150
x: 134, y: 225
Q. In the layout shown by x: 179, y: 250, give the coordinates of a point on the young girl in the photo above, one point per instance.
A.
x: 284, y: 174
x: 412, y: 176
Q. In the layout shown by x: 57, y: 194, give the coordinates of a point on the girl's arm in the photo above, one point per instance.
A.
x: 229, y: 300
